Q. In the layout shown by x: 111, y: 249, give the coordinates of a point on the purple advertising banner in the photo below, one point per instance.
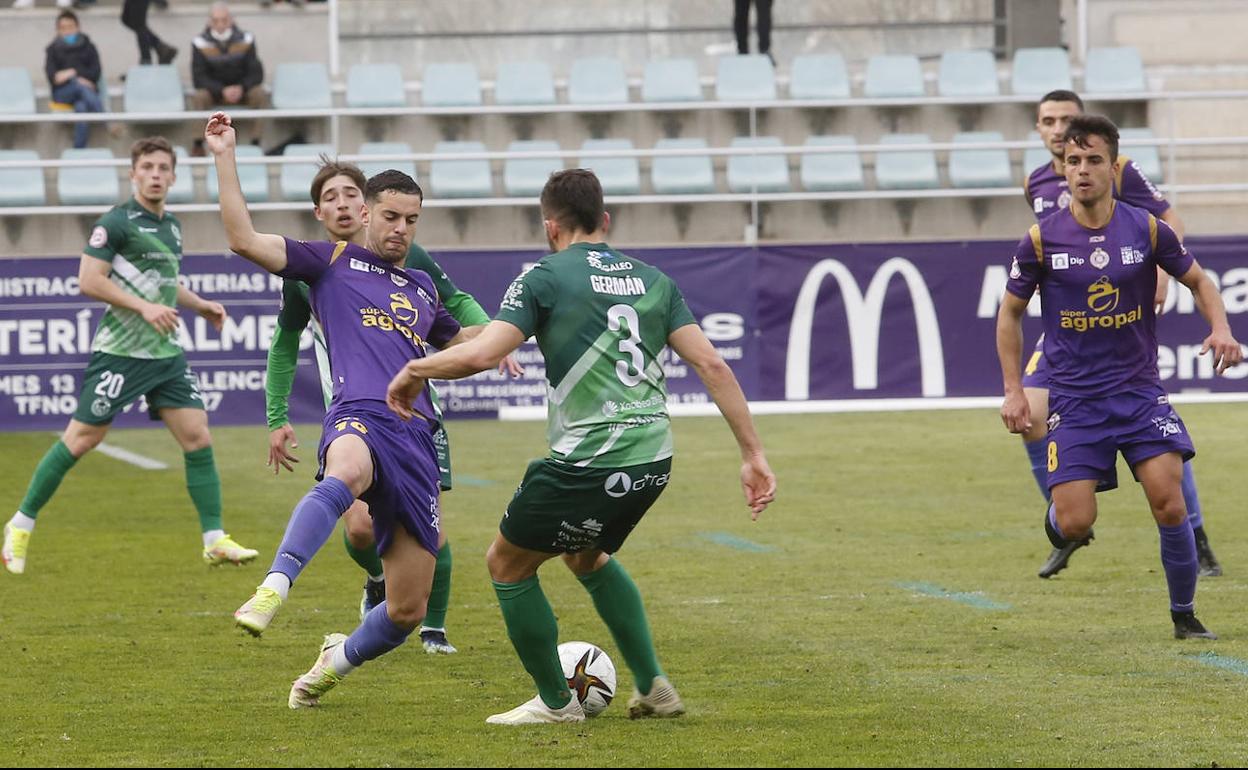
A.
x: 819, y: 322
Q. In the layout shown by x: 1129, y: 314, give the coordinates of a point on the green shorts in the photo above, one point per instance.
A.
x: 561, y: 508
x: 111, y: 383
x: 442, y: 443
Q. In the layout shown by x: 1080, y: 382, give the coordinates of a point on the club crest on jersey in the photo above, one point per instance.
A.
x: 99, y: 237
x: 398, y: 280
x: 1099, y: 258
x: 1015, y: 272
x: 177, y: 233
x: 1063, y: 200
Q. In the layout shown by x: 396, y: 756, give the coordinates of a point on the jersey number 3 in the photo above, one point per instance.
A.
x: 632, y: 371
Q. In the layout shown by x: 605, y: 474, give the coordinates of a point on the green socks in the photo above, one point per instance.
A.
x: 367, y: 558
x: 48, y: 474
x: 440, y: 593
x: 619, y: 605
x: 534, y: 633
x: 204, y: 485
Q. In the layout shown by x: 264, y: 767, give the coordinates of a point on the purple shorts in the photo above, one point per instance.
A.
x: 1035, y: 372
x: 405, y: 484
x: 1086, y: 434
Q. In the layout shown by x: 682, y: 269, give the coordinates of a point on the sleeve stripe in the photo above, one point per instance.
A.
x: 1152, y: 231
x: 341, y: 247
x: 1119, y: 169
x: 1037, y: 243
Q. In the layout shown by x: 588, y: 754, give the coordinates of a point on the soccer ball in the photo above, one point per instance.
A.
x: 590, y: 674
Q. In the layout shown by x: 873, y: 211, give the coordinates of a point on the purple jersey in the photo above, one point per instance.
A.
x: 1097, y: 287
x: 1047, y: 192
x: 375, y: 316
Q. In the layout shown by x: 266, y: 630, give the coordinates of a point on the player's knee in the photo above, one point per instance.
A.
x: 196, y: 440
x: 584, y: 562
x: 359, y: 525
x: 1170, y: 512
x: 1075, y: 525
x: 79, y: 443
x: 406, y: 613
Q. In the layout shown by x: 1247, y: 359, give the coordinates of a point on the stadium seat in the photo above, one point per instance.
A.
x: 979, y: 168
x: 17, y: 92
x: 906, y: 170
x: 893, y: 76
x: 834, y: 172
x: 295, y: 179
x: 374, y: 167
x: 968, y: 73
x: 682, y: 174
x: 253, y: 178
x: 450, y: 84
x: 21, y: 186
x: 523, y: 177
x: 1114, y: 70
x: 764, y: 173
x: 88, y: 186
x: 524, y: 83
x: 1147, y: 157
x: 460, y: 178
x: 597, y: 80
x: 1037, y: 156
x: 671, y: 80
x: 375, y: 85
x: 619, y: 176
x: 153, y: 88
x: 745, y: 78
x: 301, y: 86
x: 819, y: 76
x: 1040, y: 70
x: 183, y: 190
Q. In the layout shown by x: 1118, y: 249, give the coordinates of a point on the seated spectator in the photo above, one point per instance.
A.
x: 73, y: 68
x: 225, y: 68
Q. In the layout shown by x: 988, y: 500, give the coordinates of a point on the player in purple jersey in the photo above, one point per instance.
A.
x: 1047, y: 193
x: 376, y: 316
x: 1096, y: 268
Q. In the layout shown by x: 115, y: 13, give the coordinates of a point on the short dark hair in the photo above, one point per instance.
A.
x: 1083, y: 126
x: 150, y: 144
x: 1061, y: 95
x: 392, y: 180
x: 68, y: 14
x: 331, y: 168
x: 573, y: 198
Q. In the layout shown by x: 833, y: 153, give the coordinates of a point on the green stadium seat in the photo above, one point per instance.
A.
x: 460, y: 178
x: 17, y: 92
x: 968, y: 73
x: 524, y: 83
x: 183, y: 190
x: 1040, y: 70
x: 253, y: 178
x: 87, y: 186
x: 745, y: 78
x: 597, y: 80
x: 762, y: 173
x: 906, y: 170
x: 893, y: 76
x: 523, y: 177
x: 1114, y: 70
x: 153, y: 88
x: 819, y: 76
x: 834, y: 172
x: 618, y: 176
x: 1147, y: 157
x: 301, y: 86
x: 979, y: 168
x: 295, y: 179
x: 682, y: 174
x: 374, y: 167
x: 451, y: 84
x: 375, y: 85
x: 21, y: 186
x: 671, y: 80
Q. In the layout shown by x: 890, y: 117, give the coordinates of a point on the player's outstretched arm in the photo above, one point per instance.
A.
x: 93, y: 282
x: 266, y: 250
x: 1015, y: 412
x: 1226, y: 350
x: 758, y: 483
x: 482, y: 351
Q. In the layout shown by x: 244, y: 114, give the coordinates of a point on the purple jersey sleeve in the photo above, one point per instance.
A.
x: 1171, y: 255
x: 444, y: 328
x: 1026, y: 267
x: 1137, y: 190
x: 306, y: 261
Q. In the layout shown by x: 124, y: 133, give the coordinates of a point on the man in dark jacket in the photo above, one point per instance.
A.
x: 224, y: 67
x: 73, y: 68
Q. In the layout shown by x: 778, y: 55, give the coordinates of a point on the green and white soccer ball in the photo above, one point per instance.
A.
x: 590, y: 674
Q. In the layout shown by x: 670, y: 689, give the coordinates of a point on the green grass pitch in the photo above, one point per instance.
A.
x: 884, y: 611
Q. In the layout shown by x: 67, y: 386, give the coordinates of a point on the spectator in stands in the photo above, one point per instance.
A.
x: 741, y: 24
x: 224, y: 66
x: 73, y: 68
x: 134, y: 16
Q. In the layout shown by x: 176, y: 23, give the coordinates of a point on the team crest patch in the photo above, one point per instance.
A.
x: 1055, y: 420
x: 1015, y: 272
x: 1099, y: 258
x: 99, y: 237
x: 1063, y: 200
x: 100, y: 407
x: 398, y: 279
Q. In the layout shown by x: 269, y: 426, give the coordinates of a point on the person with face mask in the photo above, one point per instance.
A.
x: 224, y: 66
x: 73, y: 67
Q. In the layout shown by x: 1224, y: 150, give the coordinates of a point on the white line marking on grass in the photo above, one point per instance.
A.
x: 1223, y: 662
x: 971, y: 599
x: 126, y: 456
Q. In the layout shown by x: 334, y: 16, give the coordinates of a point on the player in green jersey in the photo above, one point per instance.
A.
x: 338, y: 203
x: 601, y: 320
x: 131, y: 262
